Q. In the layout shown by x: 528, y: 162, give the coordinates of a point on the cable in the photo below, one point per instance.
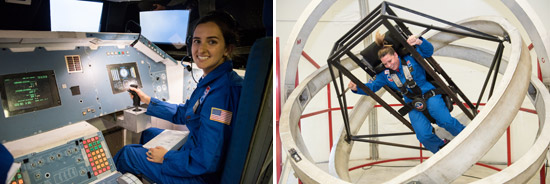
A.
x: 189, y: 68
x: 193, y: 75
x: 139, y: 32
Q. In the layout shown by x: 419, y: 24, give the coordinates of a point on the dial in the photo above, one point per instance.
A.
x: 123, y: 72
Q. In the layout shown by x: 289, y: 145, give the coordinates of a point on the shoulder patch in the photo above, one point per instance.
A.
x: 220, y: 115
x: 388, y: 75
x: 206, y: 91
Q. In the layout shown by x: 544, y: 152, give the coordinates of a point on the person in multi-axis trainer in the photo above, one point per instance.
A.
x: 407, y: 76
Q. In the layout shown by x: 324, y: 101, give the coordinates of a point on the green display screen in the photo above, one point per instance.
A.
x: 27, y: 92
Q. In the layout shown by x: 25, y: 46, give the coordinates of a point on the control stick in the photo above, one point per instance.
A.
x: 136, y: 97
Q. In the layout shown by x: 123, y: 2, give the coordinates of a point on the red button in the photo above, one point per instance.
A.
x: 87, y: 151
x: 93, y: 168
x: 100, y: 171
x: 108, y: 167
x: 89, y: 155
x: 104, y: 169
x: 85, y: 146
x: 96, y: 138
x: 91, y: 159
x: 92, y: 164
x: 95, y: 173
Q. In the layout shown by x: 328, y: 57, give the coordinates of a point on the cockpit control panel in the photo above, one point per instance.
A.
x: 81, y: 160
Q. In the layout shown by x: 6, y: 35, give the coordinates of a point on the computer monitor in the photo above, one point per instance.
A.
x: 75, y: 15
x: 165, y: 26
x: 28, y: 92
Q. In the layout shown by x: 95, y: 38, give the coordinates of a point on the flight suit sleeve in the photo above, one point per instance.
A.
x: 205, y: 154
x: 165, y: 110
x: 426, y: 49
x: 374, y: 85
x: 6, y: 160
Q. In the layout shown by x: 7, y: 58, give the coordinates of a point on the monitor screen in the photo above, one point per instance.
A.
x: 28, y: 92
x: 166, y: 26
x: 122, y: 75
x: 75, y: 15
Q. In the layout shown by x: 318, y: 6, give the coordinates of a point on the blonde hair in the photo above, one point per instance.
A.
x: 379, y: 38
x: 387, y: 49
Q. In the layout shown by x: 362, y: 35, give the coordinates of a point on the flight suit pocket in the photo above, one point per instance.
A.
x: 193, y: 124
x: 193, y: 120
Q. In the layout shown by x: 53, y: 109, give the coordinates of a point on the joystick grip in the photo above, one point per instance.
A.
x: 136, y: 98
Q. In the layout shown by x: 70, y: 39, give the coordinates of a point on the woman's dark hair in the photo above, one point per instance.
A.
x: 225, y: 22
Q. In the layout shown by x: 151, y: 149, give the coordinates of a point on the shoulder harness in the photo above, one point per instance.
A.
x: 418, y: 99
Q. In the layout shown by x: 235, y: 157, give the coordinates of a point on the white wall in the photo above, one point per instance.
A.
x: 341, y: 17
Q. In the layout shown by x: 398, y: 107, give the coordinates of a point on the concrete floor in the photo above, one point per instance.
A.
x: 384, y: 172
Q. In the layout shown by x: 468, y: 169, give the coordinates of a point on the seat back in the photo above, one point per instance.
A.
x: 250, y: 121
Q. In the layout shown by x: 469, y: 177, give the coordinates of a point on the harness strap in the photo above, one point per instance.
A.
x: 407, y: 73
x: 430, y: 118
x: 419, y: 99
x: 433, y: 92
x: 402, y: 88
x: 411, y: 105
x: 396, y: 79
x: 409, y: 83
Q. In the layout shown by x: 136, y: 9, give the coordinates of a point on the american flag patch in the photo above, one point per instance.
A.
x: 221, y: 116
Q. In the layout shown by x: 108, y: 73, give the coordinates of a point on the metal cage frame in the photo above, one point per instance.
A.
x: 383, y: 15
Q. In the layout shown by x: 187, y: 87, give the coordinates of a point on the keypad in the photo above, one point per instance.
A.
x: 17, y: 179
x: 96, y: 155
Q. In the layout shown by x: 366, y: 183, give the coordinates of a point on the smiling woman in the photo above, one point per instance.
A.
x: 213, y: 41
x: 208, y: 47
x: 208, y: 113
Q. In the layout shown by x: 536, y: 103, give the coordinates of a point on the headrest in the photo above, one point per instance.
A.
x: 371, y: 52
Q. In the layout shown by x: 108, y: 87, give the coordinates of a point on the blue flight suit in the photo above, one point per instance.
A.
x: 200, y: 159
x: 435, y: 105
x: 6, y: 160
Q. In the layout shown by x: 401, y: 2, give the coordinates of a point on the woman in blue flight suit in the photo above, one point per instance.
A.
x: 435, y: 105
x: 208, y: 113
